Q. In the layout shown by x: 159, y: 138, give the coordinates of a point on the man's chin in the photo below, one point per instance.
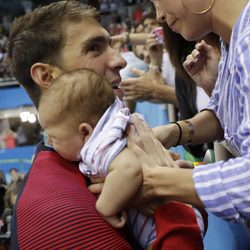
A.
x: 118, y: 92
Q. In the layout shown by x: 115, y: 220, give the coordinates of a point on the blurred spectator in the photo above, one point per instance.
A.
x: 11, y: 193
x: 2, y: 145
x: 8, y: 138
x: 3, y: 36
x: 4, y: 68
x: 28, y: 134
x: 104, y: 6
x: 15, y: 175
x: 9, y: 202
x: 138, y: 14
x: 113, y: 5
x: 2, y: 191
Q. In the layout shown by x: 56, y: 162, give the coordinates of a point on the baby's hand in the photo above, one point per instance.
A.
x: 96, y: 186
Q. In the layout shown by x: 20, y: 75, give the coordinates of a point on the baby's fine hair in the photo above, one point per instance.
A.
x: 81, y: 95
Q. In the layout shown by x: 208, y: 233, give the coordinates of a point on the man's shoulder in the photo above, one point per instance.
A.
x: 49, y: 175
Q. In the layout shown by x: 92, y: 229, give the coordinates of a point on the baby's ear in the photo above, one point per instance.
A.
x: 85, y: 130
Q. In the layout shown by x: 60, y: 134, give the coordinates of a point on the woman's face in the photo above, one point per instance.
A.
x: 181, y: 18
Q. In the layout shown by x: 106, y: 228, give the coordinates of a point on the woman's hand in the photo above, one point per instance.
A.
x: 202, y: 66
x: 149, y: 144
x: 167, y: 135
x: 184, y: 164
x: 152, y: 157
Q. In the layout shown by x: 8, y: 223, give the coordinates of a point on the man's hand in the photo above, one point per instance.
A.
x: 202, y: 66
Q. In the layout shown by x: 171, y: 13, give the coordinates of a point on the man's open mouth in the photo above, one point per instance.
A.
x: 115, y: 85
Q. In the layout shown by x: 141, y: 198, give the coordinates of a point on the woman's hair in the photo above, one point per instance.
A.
x: 39, y: 36
x: 81, y: 95
x: 178, y: 48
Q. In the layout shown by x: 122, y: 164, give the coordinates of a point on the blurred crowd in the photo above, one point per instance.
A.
x: 4, y: 69
x: 8, y: 195
x: 20, y: 134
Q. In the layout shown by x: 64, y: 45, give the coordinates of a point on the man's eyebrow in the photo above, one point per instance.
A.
x: 94, y: 39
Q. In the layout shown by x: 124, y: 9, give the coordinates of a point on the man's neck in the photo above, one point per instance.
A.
x: 224, y: 16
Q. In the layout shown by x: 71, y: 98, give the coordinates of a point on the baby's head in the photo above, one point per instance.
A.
x: 71, y: 107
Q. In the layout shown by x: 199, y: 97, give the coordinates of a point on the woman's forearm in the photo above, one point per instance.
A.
x: 174, y: 184
x: 205, y: 128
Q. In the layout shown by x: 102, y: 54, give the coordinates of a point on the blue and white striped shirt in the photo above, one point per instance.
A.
x: 224, y: 187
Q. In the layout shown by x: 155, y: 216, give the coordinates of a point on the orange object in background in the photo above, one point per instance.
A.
x: 196, y: 163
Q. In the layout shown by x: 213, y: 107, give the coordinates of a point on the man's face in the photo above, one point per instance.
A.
x: 88, y: 46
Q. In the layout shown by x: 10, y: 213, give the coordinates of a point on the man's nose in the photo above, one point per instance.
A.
x: 117, y: 62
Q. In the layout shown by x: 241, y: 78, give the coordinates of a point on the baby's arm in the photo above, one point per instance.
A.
x: 121, y: 184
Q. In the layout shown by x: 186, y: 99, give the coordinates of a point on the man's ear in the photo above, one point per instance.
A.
x: 85, y: 129
x: 43, y: 74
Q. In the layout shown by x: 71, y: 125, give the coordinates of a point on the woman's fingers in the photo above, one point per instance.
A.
x: 184, y: 164
x: 150, y: 144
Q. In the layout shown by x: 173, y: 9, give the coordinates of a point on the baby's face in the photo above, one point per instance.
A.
x: 65, y: 140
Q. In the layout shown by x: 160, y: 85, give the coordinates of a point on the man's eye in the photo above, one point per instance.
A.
x: 94, y: 47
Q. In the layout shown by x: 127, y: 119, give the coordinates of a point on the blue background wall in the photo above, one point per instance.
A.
x: 13, y: 98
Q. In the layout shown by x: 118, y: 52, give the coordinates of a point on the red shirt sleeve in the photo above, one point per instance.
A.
x: 177, y: 228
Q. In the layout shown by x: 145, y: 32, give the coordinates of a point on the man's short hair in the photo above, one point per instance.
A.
x: 39, y: 36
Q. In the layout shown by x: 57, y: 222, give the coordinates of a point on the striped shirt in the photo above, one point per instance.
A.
x: 224, y: 186
x: 106, y: 141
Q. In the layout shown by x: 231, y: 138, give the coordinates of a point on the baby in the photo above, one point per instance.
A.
x: 85, y: 122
